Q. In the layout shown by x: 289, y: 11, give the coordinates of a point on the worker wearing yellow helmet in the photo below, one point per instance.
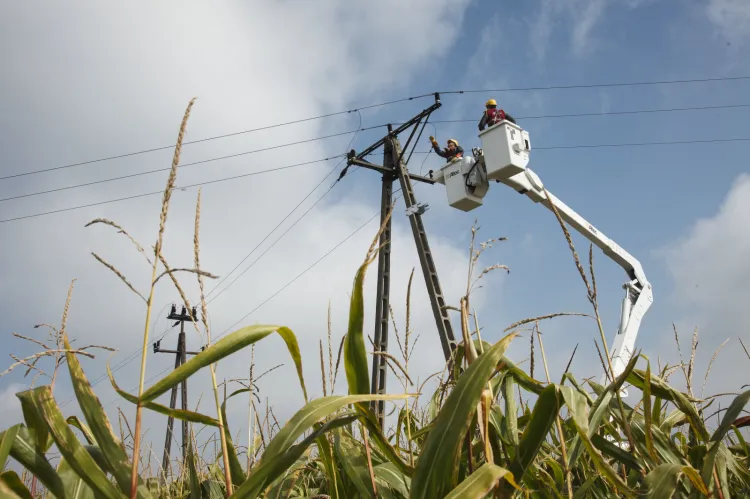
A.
x: 492, y: 115
x: 451, y: 152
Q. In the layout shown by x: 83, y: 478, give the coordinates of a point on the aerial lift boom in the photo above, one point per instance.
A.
x: 504, y: 157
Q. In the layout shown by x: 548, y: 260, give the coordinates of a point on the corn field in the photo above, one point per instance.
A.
x: 474, y: 438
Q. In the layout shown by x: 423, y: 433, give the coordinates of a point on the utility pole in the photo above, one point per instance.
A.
x: 180, y: 358
x: 394, y: 168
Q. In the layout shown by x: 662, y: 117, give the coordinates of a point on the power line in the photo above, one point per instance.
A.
x: 548, y: 116
x: 537, y: 148
x: 327, y: 115
x: 276, y: 241
x: 596, y: 85
x: 268, y: 127
x: 288, y: 144
x: 299, y: 275
x: 359, y: 128
x: 606, y: 113
x: 215, y: 181
x: 630, y: 144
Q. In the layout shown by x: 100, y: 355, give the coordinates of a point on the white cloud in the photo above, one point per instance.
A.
x: 578, y: 19
x: 583, y: 16
x: 732, y: 18
x: 710, y: 271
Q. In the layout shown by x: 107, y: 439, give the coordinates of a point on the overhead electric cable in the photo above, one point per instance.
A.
x: 595, y: 85
x: 537, y: 148
x: 629, y: 144
x: 449, y: 92
x: 299, y: 275
x: 359, y: 128
x: 131, y: 175
x: 268, y: 127
x: 604, y: 113
x: 154, y: 193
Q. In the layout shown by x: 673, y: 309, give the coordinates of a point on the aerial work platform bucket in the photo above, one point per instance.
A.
x: 505, y: 148
x: 464, y: 183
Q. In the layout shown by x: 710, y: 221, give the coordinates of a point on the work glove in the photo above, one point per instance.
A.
x: 432, y: 140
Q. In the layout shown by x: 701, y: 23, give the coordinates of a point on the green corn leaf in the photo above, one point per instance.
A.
x: 354, y: 462
x: 520, y: 376
x: 673, y: 419
x: 237, y: 473
x: 481, y: 482
x: 313, y: 412
x: 269, y: 469
x: 331, y: 470
x: 661, y: 389
x: 436, y: 472
x: 581, y: 492
x: 610, y: 449
x: 226, y: 346
x: 193, y: 479
x: 355, y: 354
x: 181, y: 414
x: 99, y: 427
x: 67, y: 443
x: 11, y: 480
x: 511, y: 411
x: 389, y: 474
x: 601, y: 408
x: 741, y: 439
x: 75, y: 487
x: 212, y: 489
x: 74, y: 421
x: 7, y: 492
x: 542, y: 418
x: 734, y: 410
x: 579, y: 411
x: 381, y: 442
x: 285, y: 483
x: 558, y: 472
x: 6, y: 443
x: 37, y: 428
x: 24, y: 451
x: 663, y: 481
x: 647, y: 411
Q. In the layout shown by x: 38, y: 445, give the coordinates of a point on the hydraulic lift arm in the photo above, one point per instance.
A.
x: 503, y: 158
x: 638, y: 293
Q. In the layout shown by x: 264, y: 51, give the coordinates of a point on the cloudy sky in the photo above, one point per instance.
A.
x: 82, y: 84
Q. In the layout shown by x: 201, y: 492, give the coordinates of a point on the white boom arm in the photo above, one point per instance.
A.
x: 504, y: 157
x: 638, y: 293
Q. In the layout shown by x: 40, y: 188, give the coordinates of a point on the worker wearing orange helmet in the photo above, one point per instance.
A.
x: 492, y: 115
x: 451, y: 152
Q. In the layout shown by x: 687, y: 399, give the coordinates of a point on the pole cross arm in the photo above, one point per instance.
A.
x: 405, y: 126
x: 366, y: 164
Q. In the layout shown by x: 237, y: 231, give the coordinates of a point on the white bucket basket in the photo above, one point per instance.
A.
x: 506, y: 148
x: 461, y: 195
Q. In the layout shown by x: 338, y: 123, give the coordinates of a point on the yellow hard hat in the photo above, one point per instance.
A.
x: 454, y: 141
x: 491, y: 102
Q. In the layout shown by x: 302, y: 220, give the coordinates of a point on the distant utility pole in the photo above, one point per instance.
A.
x: 180, y: 358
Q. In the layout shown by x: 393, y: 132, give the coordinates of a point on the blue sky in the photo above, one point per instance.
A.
x: 103, y: 91
x: 644, y: 197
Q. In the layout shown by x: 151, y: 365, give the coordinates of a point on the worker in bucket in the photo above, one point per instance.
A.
x: 453, y: 151
x: 492, y: 115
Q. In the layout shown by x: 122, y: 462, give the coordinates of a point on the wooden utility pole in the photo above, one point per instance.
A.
x: 180, y: 358
x: 394, y: 168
